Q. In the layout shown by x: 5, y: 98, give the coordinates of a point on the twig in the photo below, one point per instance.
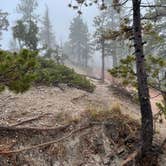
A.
x: 101, y: 123
x: 78, y: 98
x: 46, y: 143
x: 163, y: 144
x: 130, y: 158
x: 155, y: 96
x: 27, y: 129
x: 28, y: 120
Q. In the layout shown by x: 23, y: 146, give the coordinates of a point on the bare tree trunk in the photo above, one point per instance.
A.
x: 103, y: 63
x: 114, y: 55
x: 143, y: 91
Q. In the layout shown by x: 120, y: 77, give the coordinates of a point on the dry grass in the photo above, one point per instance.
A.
x: 119, y: 123
x: 99, y: 113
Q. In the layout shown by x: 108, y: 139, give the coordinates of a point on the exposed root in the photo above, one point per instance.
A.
x: 130, y: 158
x: 30, y: 129
x: 78, y: 98
x: 163, y: 144
x: 28, y: 120
x: 46, y: 143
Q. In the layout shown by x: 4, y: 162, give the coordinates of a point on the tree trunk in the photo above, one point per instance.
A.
x: 143, y: 91
x: 103, y: 63
x: 114, y: 55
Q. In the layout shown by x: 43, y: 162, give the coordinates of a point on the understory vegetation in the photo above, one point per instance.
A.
x: 51, y: 74
x: 18, y: 71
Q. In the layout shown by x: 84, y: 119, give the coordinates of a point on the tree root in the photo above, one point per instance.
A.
x: 78, y: 98
x: 163, y: 144
x: 130, y: 158
x: 46, y: 143
x: 30, y: 129
x: 28, y: 120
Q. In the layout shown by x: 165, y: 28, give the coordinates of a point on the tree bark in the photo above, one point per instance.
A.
x: 143, y: 91
x: 114, y: 55
x: 103, y: 63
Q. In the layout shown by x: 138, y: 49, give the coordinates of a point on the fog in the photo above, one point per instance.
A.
x: 65, y: 32
x: 60, y: 14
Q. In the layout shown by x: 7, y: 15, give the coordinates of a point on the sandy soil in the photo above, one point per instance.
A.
x: 51, y: 101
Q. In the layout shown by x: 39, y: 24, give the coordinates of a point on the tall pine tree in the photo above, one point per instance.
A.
x: 47, y: 36
x: 26, y: 30
x: 3, y: 22
x: 79, y: 42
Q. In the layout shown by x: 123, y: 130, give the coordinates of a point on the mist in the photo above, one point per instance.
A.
x: 60, y: 14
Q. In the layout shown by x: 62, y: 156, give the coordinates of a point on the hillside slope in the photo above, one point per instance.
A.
x: 43, y: 108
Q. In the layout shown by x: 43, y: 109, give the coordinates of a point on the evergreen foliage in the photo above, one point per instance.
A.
x: 156, y: 71
x: 26, y: 30
x: 51, y: 74
x: 17, y: 70
x: 26, y: 36
x: 3, y: 21
x: 46, y: 35
x: 27, y: 9
x: 79, y: 43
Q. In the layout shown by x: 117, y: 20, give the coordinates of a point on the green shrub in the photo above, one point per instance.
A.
x: 51, y: 74
x: 17, y: 70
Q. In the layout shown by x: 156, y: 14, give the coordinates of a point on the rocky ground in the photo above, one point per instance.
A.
x: 44, y: 114
x: 53, y: 100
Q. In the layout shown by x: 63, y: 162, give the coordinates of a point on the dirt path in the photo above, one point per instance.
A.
x: 42, y: 100
x: 53, y: 102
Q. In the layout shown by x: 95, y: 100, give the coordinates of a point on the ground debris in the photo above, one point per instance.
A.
x: 31, y: 123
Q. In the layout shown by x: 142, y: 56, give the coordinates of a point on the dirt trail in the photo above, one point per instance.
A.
x: 41, y: 100
x: 15, y: 108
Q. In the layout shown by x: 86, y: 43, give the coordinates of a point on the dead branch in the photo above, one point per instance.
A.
x: 30, y: 129
x: 101, y: 123
x: 163, y: 144
x: 46, y: 143
x: 153, y: 6
x: 28, y: 120
x: 78, y: 98
x: 131, y: 157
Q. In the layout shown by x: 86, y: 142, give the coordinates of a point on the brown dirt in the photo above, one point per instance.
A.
x: 61, y: 108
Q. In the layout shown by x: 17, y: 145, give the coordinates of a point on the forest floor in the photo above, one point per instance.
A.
x: 52, y: 109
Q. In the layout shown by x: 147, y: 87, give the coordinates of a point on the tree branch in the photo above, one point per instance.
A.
x: 153, y: 6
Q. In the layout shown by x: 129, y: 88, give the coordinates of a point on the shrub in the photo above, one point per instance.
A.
x: 17, y: 70
x: 51, y: 74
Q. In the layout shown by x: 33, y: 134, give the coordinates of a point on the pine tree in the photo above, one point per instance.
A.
x: 46, y: 35
x: 79, y: 42
x: 26, y: 29
x: 107, y: 19
x: 3, y: 21
x: 26, y: 34
x: 143, y: 90
x: 27, y: 9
